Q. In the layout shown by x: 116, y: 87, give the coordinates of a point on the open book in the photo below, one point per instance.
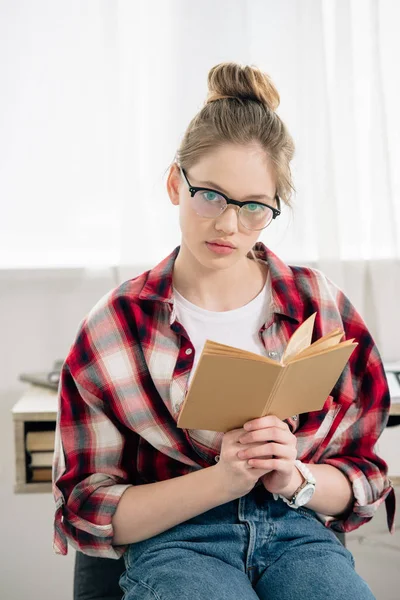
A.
x: 231, y: 386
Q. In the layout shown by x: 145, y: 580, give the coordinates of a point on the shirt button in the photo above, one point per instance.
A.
x: 188, y: 351
x: 271, y: 354
x: 295, y: 417
x: 217, y: 458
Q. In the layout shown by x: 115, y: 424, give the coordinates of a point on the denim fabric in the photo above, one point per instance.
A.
x: 253, y: 547
x: 97, y: 578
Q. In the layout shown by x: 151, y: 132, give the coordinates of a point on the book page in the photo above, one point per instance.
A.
x: 300, y: 339
x: 328, y: 341
x: 307, y: 382
x: 307, y: 354
x: 215, y: 349
x: 332, y: 334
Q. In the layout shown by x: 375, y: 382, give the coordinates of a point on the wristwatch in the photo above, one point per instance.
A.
x: 305, y: 491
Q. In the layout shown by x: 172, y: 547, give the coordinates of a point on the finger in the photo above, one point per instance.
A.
x: 271, y: 449
x: 233, y: 435
x: 234, y: 432
x: 258, y: 471
x: 269, y: 434
x: 271, y: 464
x: 263, y: 422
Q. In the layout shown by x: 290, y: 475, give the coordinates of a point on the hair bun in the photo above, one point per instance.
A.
x: 232, y: 80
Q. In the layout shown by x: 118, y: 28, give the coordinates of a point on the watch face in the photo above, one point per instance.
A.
x: 305, y: 495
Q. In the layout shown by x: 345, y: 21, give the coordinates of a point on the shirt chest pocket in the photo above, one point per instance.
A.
x: 313, y: 431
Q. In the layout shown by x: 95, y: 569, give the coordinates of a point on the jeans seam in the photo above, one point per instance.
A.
x: 251, y: 545
x: 145, y: 585
x: 126, y: 558
x: 305, y: 513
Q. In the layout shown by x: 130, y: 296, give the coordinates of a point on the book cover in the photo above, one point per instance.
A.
x: 231, y: 386
x: 40, y: 440
x: 40, y: 474
x: 40, y: 459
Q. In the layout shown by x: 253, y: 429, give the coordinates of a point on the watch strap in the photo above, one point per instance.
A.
x: 308, y: 479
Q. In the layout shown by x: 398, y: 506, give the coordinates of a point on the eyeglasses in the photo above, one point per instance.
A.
x: 252, y: 215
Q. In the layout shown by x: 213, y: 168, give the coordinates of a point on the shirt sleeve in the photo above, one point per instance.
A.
x: 352, y: 448
x: 88, y: 473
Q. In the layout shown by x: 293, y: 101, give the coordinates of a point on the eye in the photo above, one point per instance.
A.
x: 211, y: 196
x: 253, y: 207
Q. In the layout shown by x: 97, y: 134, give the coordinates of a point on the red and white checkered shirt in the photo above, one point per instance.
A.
x: 125, y: 378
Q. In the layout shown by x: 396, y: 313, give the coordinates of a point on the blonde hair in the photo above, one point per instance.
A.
x: 240, y: 109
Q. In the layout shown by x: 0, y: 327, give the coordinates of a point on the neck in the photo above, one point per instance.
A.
x: 214, y: 289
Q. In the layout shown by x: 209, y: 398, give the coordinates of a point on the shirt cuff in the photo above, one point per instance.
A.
x: 366, y: 500
x: 89, y: 538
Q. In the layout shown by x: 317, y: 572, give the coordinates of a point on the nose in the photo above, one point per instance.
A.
x: 228, y: 221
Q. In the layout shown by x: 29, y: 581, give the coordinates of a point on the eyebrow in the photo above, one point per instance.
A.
x: 252, y: 197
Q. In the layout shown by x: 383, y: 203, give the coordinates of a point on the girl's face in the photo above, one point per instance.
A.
x: 242, y: 173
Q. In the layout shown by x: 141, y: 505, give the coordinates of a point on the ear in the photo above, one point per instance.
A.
x: 173, y: 184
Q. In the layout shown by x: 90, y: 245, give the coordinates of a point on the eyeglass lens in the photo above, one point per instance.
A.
x: 211, y: 204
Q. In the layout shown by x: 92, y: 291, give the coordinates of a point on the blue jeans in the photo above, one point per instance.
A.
x: 249, y: 548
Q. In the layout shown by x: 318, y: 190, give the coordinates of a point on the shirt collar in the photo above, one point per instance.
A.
x: 285, y: 296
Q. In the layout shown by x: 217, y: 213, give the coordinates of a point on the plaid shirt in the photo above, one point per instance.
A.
x: 125, y: 378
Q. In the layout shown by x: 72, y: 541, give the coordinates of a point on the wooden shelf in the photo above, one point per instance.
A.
x: 36, y: 410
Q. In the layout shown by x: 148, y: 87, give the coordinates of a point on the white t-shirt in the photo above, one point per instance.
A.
x: 239, y: 327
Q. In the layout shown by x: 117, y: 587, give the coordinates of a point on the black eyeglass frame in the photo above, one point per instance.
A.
x: 275, y: 211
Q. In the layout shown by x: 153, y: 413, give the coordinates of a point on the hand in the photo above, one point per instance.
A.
x: 235, y: 475
x: 270, y: 445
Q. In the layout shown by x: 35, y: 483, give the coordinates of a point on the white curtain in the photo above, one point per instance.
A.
x: 96, y: 95
x: 336, y: 67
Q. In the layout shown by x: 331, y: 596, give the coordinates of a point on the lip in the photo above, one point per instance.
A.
x: 219, y: 248
x: 221, y: 243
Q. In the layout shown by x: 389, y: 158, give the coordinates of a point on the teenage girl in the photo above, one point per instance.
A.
x: 198, y: 514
